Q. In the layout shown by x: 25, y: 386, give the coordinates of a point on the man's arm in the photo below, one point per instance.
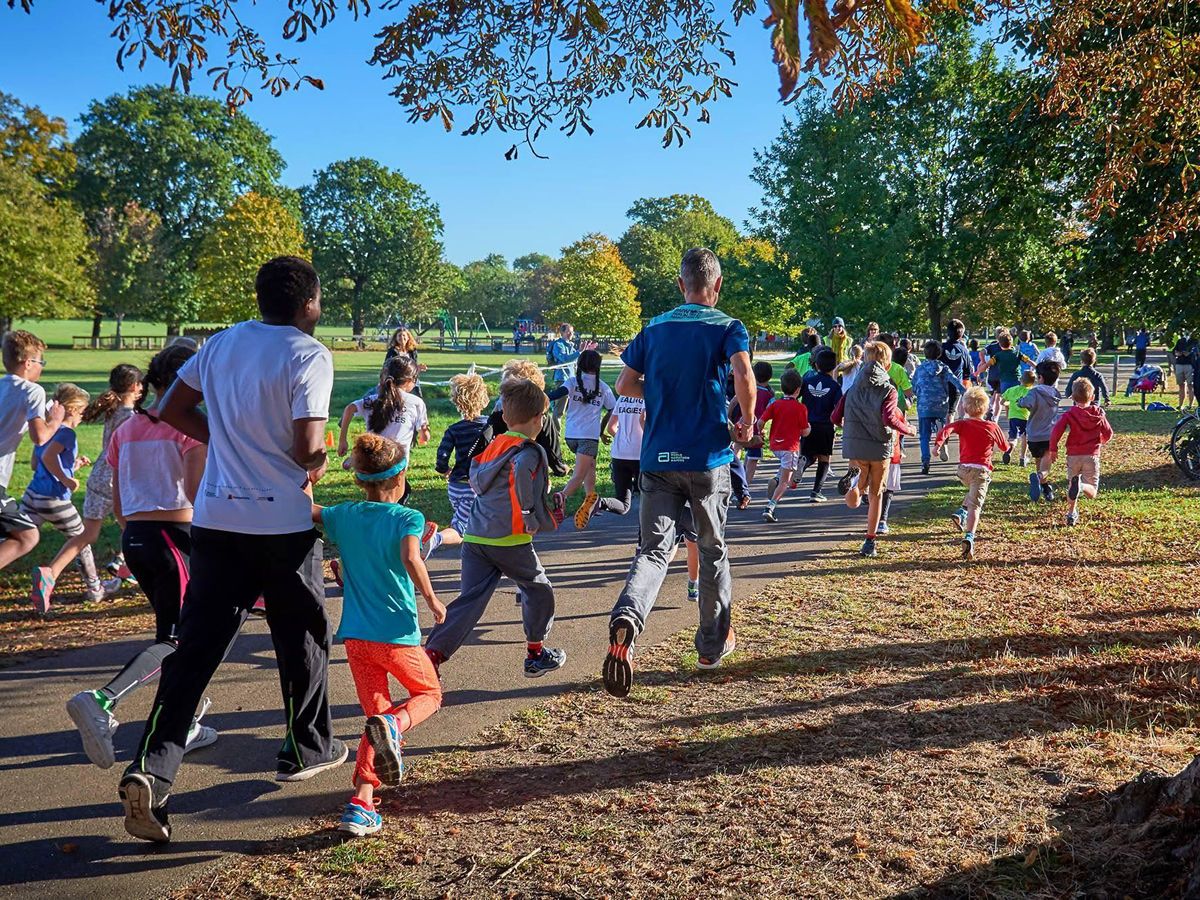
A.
x: 181, y: 410
x: 630, y: 384
x: 743, y: 389
x: 308, y: 443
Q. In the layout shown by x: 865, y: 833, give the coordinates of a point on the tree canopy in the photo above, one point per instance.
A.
x: 595, y: 291
x: 128, y: 268
x: 36, y: 142
x: 375, y: 238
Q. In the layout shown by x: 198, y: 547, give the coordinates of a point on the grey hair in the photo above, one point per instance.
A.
x: 699, y: 269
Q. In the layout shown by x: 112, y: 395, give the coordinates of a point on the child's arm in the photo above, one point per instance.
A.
x: 442, y: 464
x: 999, y: 438
x: 605, y: 434
x: 347, y: 416
x: 42, y: 428
x: 892, y: 416
x: 531, y: 484
x: 116, y: 497
x: 1056, y: 433
x: 943, y: 436
x: 423, y: 435
x: 614, y: 425
x: 316, y: 513
x: 839, y: 411
x: 1103, y: 387
x: 1106, y: 431
x: 410, y: 551
x: 51, y: 461
x: 558, y: 393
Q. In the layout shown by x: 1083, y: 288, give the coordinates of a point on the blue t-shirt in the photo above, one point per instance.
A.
x: 1030, y: 349
x: 684, y: 355
x: 378, y: 602
x: 43, y: 482
x: 820, y: 394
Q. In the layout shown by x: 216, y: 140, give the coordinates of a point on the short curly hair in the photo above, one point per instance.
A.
x: 523, y: 368
x: 469, y: 394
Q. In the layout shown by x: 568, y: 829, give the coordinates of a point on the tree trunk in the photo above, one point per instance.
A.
x: 173, y: 329
x: 96, y: 320
x: 357, y: 313
x: 5, y: 325
x: 934, y: 303
x: 120, y: 317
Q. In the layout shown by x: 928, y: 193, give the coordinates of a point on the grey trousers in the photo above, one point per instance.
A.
x: 482, y: 566
x: 663, y: 497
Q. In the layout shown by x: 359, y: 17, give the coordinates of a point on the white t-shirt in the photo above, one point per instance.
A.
x: 1053, y: 353
x: 256, y: 380
x: 583, y: 416
x: 628, y: 442
x: 20, y: 402
x: 404, y: 426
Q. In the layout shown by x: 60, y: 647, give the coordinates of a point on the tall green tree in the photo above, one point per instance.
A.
x: 43, y: 251
x: 127, y: 267
x: 538, y: 274
x: 760, y: 288
x: 375, y: 237
x: 254, y: 229
x: 489, y: 289
x: 595, y: 290
x: 653, y: 257
x: 36, y: 142
x: 690, y: 220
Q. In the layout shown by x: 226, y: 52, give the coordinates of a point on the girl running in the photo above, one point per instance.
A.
x: 588, y: 395
x: 625, y: 428
x: 156, y: 471
x: 380, y: 539
x: 112, y: 407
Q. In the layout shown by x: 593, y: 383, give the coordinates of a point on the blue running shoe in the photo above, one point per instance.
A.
x: 386, y: 740
x: 1035, y: 487
x: 546, y: 661
x: 883, y: 527
x: 359, y: 821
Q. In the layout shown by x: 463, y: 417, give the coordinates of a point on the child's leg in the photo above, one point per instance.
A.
x: 737, y: 478
x: 821, y: 474
x: 925, y: 430
x: 872, y: 480
x: 479, y: 580
x: 371, y: 684
x: 18, y: 533
x: 624, y: 477
x: 693, y: 561
x: 449, y: 537
x: 751, y: 466
x: 857, y: 487
x: 412, y: 668
x: 785, y: 484
x: 63, y: 515
x: 521, y: 564
x: 588, y: 465
x: 977, y: 491
x: 75, y: 545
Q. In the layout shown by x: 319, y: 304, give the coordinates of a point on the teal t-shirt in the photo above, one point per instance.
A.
x: 378, y: 602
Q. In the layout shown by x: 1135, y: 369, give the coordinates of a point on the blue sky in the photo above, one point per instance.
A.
x: 60, y: 57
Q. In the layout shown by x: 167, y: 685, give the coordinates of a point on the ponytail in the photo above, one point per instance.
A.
x: 589, y: 363
x: 161, y: 372
x: 121, y: 380
x: 389, y: 402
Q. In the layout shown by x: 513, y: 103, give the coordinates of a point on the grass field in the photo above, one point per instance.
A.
x: 75, y: 623
x: 907, y: 726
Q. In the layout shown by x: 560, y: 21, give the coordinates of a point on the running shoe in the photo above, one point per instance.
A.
x: 817, y: 497
x: 769, y: 515
x: 944, y: 453
x: 43, y: 588
x: 118, y: 569
x: 1048, y: 492
x: 968, y: 548
x: 1006, y: 458
x: 924, y: 468
x: 1073, y: 490
x: 558, y: 508
x: 259, y: 609
x: 743, y: 502
x: 431, y: 539
x: 1035, y: 487
x: 1072, y: 519
x: 96, y: 727
x: 200, y: 735
x: 843, y: 485
x: 145, y: 806
x: 436, y: 659
x: 711, y: 662
x: 286, y: 770
x: 693, y: 592
x: 359, y: 821
x: 883, y: 527
x: 102, y: 589
x: 384, y: 736
x: 868, y: 548
x: 618, y: 669
x: 959, y: 520
x: 584, y: 514
x: 1024, y: 461
x: 549, y: 660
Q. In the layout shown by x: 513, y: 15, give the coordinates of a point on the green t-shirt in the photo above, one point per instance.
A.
x: 378, y: 602
x: 803, y: 363
x: 1008, y: 365
x: 902, y: 382
x: 1013, y: 398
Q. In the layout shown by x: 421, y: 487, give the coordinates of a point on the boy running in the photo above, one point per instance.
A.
x: 789, y: 423
x: 1088, y: 431
x: 1092, y: 374
x: 1018, y: 418
x: 935, y: 385
x: 820, y: 395
x: 464, y: 439
x: 1042, y: 403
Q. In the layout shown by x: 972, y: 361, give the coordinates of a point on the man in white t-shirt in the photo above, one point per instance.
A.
x: 23, y: 408
x: 265, y: 386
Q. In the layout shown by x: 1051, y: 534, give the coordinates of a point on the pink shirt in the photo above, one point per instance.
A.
x: 147, y: 456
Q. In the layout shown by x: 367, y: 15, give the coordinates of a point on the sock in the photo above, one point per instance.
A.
x: 357, y: 801
x: 885, y: 506
x: 969, y: 536
x: 872, y: 536
x: 105, y: 699
x: 435, y: 542
x: 534, y: 649
x: 771, y: 504
x: 693, y: 584
x: 819, y: 478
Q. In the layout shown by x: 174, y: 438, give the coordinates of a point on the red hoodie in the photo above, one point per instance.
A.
x: 1089, y: 430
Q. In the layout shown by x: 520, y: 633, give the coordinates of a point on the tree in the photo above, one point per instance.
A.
x: 255, y: 229
x: 688, y: 219
x: 375, y: 240
x: 489, y: 289
x: 760, y: 289
x: 595, y: 290
x: 128, y: 267
x: 36, y: 142
x: 538, y: 274
x: 43, y: 251
x: 653, y: 257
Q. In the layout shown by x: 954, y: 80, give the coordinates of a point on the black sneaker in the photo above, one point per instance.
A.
x: 868, y: 548
x: 618, y: 670
x: 549, y: 660
x: 843, y: 485
x: 1047, y: 492
x: 1007, y: 457
x: 145, y: 805
x: 1073, y: 490
x: 924, y: 468
x: 294, y: 771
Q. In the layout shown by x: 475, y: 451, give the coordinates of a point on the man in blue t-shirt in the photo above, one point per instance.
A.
x: 679, y: 363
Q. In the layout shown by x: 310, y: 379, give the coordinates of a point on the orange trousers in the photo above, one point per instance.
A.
x: 370, y: 664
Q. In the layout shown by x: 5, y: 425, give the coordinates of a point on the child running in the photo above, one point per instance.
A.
x: 155, y: 473
x: 464, y: 439
x: 978, y: 439
x: 1018, y: 418
x: 820, y: 394
x: 548, y: 437
x: 763, y: 395
x: 380, y: 541
x: 1089, y: 430
x: 22, y: 408
x: 390, y: 409
x: 588, y: 396
x: 789, y: 423
x: 48, y: 496
x: 869, y: 416
x: 1089, y: 371
x: 937, y: 389
x: 625, y: 428
x: 113, y: 407
x: 511, y: 486
x: 1042, y: 403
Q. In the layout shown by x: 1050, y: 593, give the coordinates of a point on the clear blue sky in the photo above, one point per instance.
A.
x: 60, y: 57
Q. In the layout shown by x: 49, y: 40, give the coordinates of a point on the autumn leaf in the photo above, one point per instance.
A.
x: 784, y: 21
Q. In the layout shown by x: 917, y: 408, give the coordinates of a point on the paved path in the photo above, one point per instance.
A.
x: 60, y: 821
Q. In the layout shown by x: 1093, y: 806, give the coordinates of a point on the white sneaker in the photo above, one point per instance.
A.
x: 105, y: 589
x: 96, y: 727
x: 200, y: 735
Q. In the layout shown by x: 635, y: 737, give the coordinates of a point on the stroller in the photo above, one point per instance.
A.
x: 1146, y: 379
